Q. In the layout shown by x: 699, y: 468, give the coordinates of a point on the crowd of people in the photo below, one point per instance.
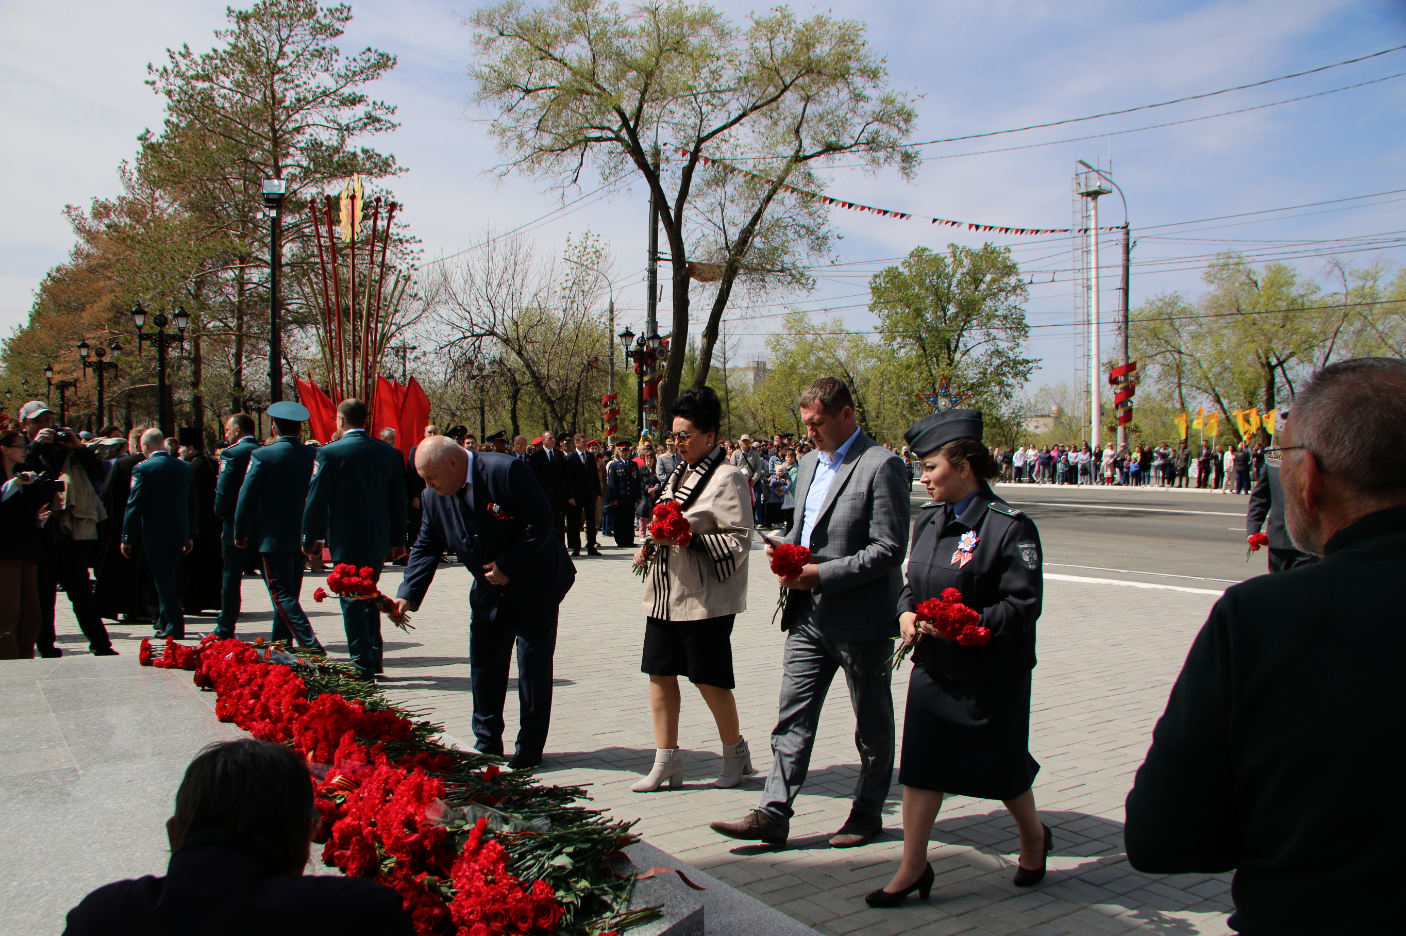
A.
x: 1234, y: 775
x: 1216, y: 467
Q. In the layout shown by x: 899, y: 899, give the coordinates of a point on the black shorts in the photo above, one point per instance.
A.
x: 700, y: 650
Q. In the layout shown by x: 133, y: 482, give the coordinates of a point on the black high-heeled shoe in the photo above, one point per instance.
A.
x: 884, y: 899
x: 1027, y: 877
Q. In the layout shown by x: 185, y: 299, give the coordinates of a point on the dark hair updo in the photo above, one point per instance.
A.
x: 700, y: 406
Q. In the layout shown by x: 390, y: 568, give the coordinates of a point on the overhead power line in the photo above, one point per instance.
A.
x: 1143, y: 107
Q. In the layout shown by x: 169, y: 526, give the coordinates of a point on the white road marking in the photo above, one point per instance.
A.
x: 1194, y: 578
x: 1088, y: 580
x: 1175, y: 510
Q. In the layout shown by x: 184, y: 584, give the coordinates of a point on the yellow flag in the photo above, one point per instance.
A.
x: 1200, y: 421
x: 1240, y: 423
x: 1180, y: 420
x: 1270, y: 419
x: 1213, y: 424
x: 1254, y: 418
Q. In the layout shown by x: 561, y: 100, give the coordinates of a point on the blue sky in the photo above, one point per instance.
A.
x: 74, y: 102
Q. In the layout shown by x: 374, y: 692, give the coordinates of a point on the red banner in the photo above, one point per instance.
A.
x: 322, y: 414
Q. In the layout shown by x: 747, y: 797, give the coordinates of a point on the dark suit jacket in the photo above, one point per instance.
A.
x: 511, y: 524
x: 582, y: 479
x: 162, y: 511
x: 551, y: 475
x: 269, y: 512
x: 216, y: 890
x: 1282, y: 734
x: 356, y: 501
x: 859, y: 541
x: 234, y: 464
x: 1267, y: 503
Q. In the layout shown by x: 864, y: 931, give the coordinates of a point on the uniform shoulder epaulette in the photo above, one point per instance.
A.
x: 1001, y: 508
x: 931, y: 504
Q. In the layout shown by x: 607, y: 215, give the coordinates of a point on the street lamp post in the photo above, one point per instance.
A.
x: 274, y: 190
x: 101, y: 366
x: 1127, y: 268
x: 48, y: 383
x: 61, y: 386
x: 162, y: 340
x: 643, y: 355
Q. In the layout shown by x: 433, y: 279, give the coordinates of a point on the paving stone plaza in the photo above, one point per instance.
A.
x: 84, y: 784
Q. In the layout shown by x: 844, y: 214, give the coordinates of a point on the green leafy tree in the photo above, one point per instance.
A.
x: 275, y: 99
x: 582, y: 81
x: 957, y: 315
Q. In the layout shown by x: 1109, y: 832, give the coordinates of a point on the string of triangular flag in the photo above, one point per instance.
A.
x: 889, y: 213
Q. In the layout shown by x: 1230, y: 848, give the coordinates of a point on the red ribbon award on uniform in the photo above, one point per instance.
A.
x: 349, y: 582
x: 950, y: 618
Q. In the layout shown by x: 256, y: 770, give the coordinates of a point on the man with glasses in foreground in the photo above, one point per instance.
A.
x: 1279, y: 755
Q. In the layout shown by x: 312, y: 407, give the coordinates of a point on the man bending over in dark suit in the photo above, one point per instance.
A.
x: 1279, y: 755
x: 240, y: 838
x: 488, y: 510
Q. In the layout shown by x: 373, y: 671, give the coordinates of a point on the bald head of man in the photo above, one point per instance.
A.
x: 152, y: 440
x: 443, y: 464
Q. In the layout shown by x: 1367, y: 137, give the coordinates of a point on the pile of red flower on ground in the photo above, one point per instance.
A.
x: 172, y: 656
x: 385, y: 792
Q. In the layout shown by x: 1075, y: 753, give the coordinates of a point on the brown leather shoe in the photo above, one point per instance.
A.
x: 756, y: 826
x: 857, y: 830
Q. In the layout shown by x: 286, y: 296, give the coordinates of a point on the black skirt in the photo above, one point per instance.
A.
x: 969, y: 737
x: 700, y: 650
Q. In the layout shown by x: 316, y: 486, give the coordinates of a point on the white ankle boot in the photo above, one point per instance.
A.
x: 668, y: 767
x: 737, y: 761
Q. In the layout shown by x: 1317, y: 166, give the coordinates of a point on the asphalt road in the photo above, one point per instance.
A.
x: 1172, y: 538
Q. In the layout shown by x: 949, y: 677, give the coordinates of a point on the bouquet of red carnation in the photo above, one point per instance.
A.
x: 788, y: 561
x: 347, y: 581
x: 1256, y: 542
x: 667, y: 523
x: 950, y: 618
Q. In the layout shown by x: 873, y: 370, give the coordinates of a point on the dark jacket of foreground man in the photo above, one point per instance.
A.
x: 213, y: 889
x: 1280, y: 754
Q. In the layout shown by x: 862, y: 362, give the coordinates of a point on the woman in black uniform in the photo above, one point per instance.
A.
x: 967, y: 721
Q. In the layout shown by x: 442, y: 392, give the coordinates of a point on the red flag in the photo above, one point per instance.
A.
x: 414, y: 414
x: 322, y: 415
x: 390, y: 396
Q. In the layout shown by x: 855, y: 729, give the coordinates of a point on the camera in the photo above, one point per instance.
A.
x: 46, y: 487
x: 64, y: 435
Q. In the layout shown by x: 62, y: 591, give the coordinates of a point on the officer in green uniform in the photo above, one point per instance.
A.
x: 234, y: 464
x: 356, y: 502
x: 269, y: 516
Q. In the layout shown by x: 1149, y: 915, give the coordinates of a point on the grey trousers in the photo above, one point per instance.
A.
x: 810, y: 663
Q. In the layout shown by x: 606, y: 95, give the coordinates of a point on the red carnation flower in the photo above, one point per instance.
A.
x: 367, y: 573
x: 319, y: 594
x: 788, y: 561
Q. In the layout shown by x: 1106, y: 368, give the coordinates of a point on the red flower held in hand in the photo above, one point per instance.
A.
x: 1257, y: 541
x: 789, y: 561
x: 669, y: 523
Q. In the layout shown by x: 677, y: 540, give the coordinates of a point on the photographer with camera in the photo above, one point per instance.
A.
x: 24, y: 506
x: 57, y: 454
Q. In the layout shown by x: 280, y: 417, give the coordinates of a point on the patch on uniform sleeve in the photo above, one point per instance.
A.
x: 1030, y: 555
x: 316, y: 467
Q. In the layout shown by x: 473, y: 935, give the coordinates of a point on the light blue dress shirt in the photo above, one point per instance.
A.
x: 826, y: 467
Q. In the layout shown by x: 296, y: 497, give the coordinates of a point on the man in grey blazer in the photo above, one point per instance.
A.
x: 852, y: 510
